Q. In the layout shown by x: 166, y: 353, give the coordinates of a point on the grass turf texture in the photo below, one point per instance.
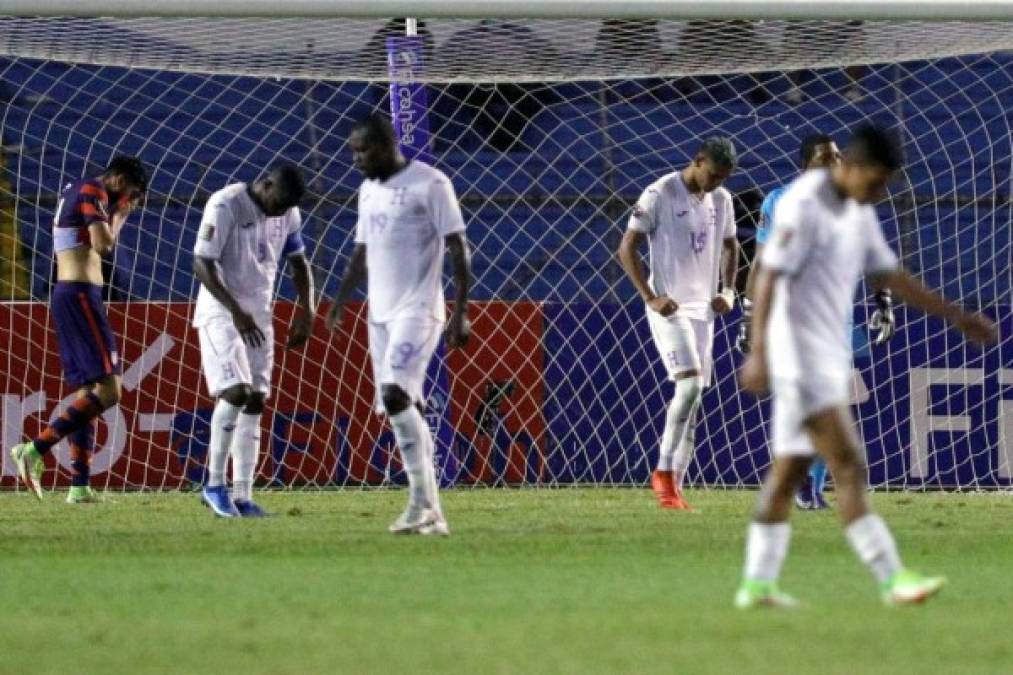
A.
x: 532, y: 581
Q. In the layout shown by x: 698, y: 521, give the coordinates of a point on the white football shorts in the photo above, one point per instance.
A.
x: 401, y: 351
x: 684, y: 344
x: 794, y: 402
x: 228, y: 361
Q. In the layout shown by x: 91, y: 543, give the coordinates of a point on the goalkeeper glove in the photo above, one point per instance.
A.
x: 742, y: 342
x: 883, y: 319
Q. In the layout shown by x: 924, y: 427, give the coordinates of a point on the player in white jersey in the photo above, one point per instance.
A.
x: 826, y: 237
x: 689, y: 223
x: 246, y: 232
x: 408, y: 216
x: 817, y: 151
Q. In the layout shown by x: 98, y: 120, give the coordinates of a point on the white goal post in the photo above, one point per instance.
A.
x: 932, y: 10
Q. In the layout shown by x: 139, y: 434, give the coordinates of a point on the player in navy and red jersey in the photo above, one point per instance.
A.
x: 88, y: 220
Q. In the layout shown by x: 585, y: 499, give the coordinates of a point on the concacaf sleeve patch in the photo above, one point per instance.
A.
x: 207, y: 232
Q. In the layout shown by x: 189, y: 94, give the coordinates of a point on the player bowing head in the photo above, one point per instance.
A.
x: 711, y: 166
x: 246, y: 233
x: 826, y: 238
x: 280, y: 190
x: 89, y: 216
x: 408, y: 217
x: 869, y: 163
x: 689, y: 223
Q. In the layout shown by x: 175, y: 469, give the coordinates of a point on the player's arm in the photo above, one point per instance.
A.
x: 458, y: 329
x: 214, y: 232
x: 103, y: 231
x: 355, y: 273
x: 974, y: 326
x: 206, y: 271
x: 294, y: 251
x: 445, y: 212
x: 302, y: 322
x: 725, y: 300
x: 642, y: 222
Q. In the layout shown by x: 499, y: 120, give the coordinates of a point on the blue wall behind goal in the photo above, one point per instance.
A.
x: 546, y: 213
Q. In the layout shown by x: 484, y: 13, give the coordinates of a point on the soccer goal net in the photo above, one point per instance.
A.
x: 549, y: 130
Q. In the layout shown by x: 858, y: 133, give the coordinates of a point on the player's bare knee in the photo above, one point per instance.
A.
x: 255, y: 403
x: 237, y: 394
x: 395, y: 399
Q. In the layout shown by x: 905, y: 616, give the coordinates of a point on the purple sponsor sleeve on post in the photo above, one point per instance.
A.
x: 409, y: 104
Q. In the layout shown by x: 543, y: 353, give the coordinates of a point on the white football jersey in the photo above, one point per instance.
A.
x: 403, y: 221
x: 822, y: 245
x: 686, y: 236
x: 247, y: 247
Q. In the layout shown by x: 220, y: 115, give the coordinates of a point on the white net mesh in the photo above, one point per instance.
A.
x: 549, y: 130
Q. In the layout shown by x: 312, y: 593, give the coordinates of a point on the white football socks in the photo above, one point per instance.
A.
x: 223, y: 425
x: 245, y: 449
x: 414, y: 441
x: 766, y: 548
x: 871, y: 539
x: 678, y: 418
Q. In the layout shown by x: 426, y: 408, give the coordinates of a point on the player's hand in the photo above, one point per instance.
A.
x: 299, y: 331
x: 720, y: 304
x: 977, y: 328
x: 744, y: 339
x: 753, y: 376
x: 334, y: 315
x: 458, y: 330
x: 248, y: 328
x: 662, y: 305
x: 883, y: 318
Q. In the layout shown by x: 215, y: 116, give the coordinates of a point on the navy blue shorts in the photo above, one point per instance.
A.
x: 87, y: 346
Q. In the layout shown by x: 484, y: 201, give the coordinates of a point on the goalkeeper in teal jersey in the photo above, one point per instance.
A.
x: 817, y: 151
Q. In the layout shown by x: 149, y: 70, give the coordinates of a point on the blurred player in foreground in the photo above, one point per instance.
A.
x: 826, y: 237
x: 818, y: 151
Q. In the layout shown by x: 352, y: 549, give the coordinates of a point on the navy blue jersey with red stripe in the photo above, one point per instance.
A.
x: 82, y: 203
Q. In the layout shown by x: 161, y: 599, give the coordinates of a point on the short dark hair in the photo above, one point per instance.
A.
x: 129, y: 168
x: 289, y: 183
x: 874, y: 145
x: 719, y: 150
x: 808, y: 148
x: 378, y: 128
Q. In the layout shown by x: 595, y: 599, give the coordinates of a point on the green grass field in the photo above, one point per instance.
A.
x: 532, y: 581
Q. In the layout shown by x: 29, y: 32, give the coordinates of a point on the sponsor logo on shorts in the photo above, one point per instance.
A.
x: 248, y: 225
